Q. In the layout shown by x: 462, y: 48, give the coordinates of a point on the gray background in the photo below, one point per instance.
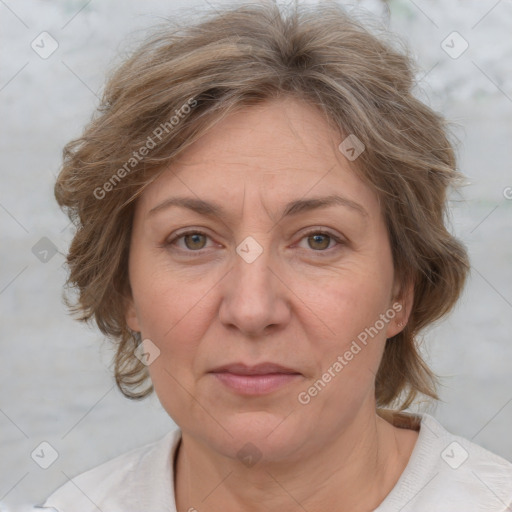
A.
x: 55, y: 374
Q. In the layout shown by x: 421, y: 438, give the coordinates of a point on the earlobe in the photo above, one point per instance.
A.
x: 402, y: 304
x: 131, y: 317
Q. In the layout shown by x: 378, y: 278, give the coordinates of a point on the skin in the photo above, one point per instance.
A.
x: 300, y: 304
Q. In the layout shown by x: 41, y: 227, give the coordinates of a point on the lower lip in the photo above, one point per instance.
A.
x: 255, y: 384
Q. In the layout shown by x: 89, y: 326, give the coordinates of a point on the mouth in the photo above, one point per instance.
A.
x: 260, y: 379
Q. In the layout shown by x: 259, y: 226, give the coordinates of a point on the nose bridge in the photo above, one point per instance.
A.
x: 253, y: 297
x: 252, y: 262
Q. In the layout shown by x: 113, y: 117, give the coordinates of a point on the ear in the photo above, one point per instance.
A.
x: 131, y: 317
x: 401, y: 304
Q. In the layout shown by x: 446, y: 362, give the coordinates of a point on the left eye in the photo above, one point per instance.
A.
x: 194, y: 241
x: 320, y: 241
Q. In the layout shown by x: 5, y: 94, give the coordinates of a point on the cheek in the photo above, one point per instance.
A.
x: 348, y: 358
x: 173, y: 317
x: 165, y: 298
x: 351, y: 304
x: 349, y: 301
x: 164, y: 309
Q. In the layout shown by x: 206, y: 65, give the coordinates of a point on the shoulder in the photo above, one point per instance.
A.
x: 447, y: 472
x: 469, y: 466
x: 120, y: 484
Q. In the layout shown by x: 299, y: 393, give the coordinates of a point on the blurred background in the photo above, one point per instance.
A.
x: 55, y: 375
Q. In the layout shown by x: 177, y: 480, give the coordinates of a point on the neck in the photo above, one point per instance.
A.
x: 353, y: 473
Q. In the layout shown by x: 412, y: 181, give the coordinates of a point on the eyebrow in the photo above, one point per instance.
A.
x: 213, y: 209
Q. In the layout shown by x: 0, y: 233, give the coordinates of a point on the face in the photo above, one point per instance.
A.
x: 269, y: 310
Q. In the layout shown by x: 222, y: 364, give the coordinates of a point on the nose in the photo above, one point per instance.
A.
x: 255, y: 298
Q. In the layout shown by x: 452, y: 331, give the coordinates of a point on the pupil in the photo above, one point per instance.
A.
x: 195, y: 240
x: 318, y: 239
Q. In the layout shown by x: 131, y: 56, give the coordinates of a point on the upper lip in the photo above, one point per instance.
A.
x: 258, y: 369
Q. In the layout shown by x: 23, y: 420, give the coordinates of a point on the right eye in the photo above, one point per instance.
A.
x: 194, y: 241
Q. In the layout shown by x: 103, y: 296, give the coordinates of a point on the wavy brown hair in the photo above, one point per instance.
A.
x: 186, y: 78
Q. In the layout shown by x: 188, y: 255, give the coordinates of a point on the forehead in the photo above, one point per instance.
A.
x: 276, y: 152
x: 274, y: 134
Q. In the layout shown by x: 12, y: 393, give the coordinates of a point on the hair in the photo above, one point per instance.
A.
x: 183, y: 80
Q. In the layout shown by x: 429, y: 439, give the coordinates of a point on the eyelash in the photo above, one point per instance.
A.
x: 320, y: 253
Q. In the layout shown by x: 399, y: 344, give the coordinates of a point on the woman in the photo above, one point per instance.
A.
x: 260, y: 226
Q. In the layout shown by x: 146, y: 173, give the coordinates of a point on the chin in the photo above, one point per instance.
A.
x: 258, y: 435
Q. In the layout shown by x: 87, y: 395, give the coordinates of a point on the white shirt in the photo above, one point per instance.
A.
x: 445, y: 473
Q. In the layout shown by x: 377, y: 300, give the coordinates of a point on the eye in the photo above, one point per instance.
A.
x: 194, y: 241
x: 320, y: 241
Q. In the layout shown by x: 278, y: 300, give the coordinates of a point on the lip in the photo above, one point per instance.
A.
x: 258, y: 369
x: 259, y: 379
